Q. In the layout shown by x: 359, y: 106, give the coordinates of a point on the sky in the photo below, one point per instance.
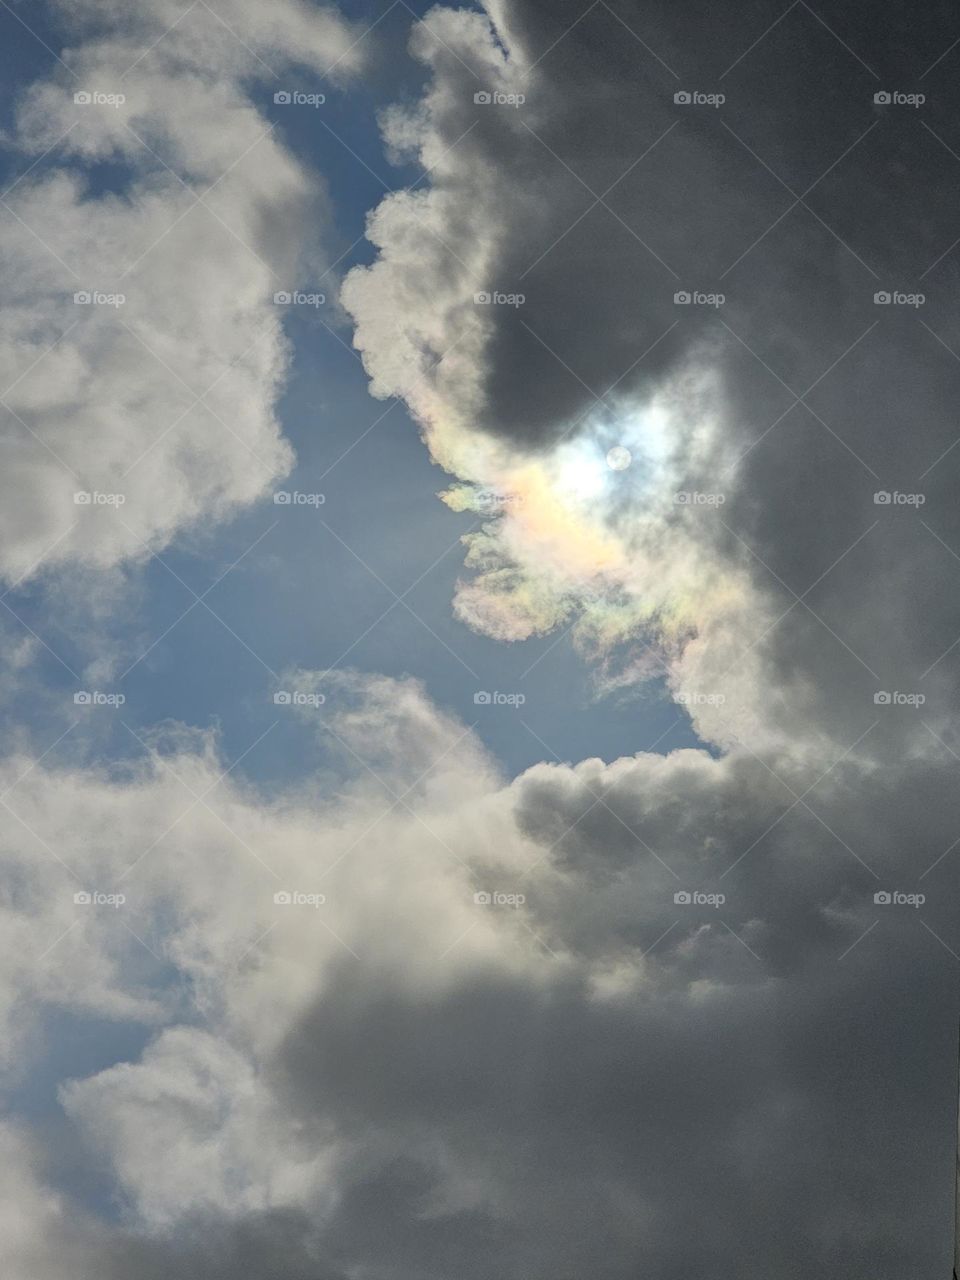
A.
x: 478, y: 562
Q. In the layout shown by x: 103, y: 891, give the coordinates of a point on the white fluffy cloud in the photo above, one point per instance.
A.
x: 183, y: 200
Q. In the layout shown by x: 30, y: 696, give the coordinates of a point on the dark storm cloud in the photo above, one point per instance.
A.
x: 803, y: 1123
x: 796, y: 198
x: 799, y: 199
x: 796, y: 1119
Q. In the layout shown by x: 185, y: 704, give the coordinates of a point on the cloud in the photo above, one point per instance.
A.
x: 47, y: 1236
x: 155, y: 215
x: 193, y: 1131
x: 428, y: 1021
x: 774, y: 403
x: 403, y: 1077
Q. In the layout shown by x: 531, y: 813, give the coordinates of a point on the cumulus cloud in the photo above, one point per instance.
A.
x: 155, y: 215
x: 395, y: 1075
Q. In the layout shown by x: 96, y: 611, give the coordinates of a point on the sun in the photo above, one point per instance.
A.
x: 582, y: 473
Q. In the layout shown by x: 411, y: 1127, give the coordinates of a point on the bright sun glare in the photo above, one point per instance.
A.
x: 583, y: 473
